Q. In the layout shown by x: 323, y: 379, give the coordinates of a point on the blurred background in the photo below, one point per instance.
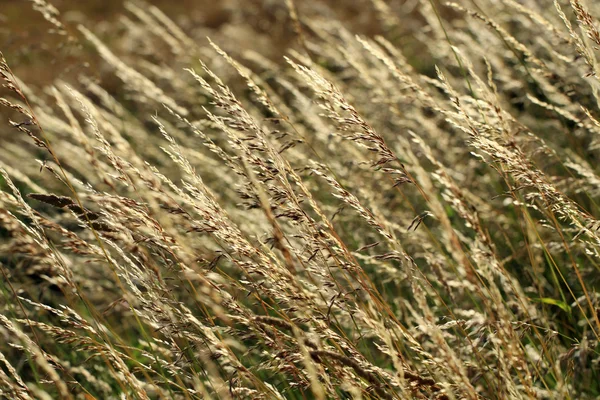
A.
x: 39, y: 56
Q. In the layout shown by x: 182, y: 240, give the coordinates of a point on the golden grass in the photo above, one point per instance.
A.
x: 369, y: 217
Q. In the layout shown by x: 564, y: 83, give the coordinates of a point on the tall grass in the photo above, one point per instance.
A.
x: 406, y: 215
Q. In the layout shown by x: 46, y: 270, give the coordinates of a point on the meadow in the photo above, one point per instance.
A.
x: 300, y: 199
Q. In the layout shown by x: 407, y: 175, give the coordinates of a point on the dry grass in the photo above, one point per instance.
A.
x: 369, y: 217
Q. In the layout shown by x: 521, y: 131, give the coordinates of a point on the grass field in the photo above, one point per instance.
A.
x: 376, y: 199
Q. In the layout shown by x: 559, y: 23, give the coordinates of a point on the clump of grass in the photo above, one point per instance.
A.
x: 357, y: 220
